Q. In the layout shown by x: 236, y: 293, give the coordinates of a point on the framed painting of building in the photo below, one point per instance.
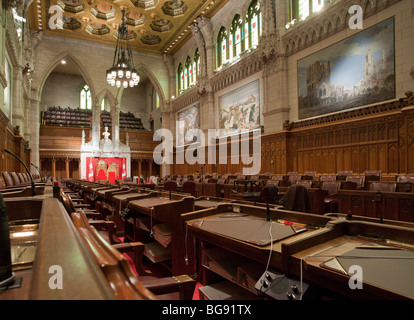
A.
x: 188, y: 120
x: 354, y: 72
x: 239, y: 110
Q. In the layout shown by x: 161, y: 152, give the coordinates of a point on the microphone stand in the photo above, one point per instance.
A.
x: 38, y: 170
x: 28, y: 172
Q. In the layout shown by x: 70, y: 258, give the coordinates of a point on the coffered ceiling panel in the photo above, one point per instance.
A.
x: 160, y: 26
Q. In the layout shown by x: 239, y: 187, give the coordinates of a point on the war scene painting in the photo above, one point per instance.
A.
x: 357, y: 71
x: 240, y: 110
x: 188, y: 124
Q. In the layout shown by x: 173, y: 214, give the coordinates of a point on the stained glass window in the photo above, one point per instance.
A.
x: 85, y: 98
x: 300, y: 9
x: 196, y: 65
x: 253, y: 27
x: 180, y: 78
x: 235, y: 41
x: 187, y: 73
x: 222, y: 47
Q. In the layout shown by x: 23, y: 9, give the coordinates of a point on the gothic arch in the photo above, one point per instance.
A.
x: 54, y: 63
x: 144, y: 69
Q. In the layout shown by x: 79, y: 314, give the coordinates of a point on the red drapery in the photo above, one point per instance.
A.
x: 105, y: 169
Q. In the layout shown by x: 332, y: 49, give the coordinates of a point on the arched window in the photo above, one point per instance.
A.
x: 180, y: 78
x: 187, y: 73
x: 300, y: 9
x: 235, y: 40
x: 253, y: 28
x: 85, y: 98
x: 196, y: 66
x: 222, y: 47
x: 103, y: 104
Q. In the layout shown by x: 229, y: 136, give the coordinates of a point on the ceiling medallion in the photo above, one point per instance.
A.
x: 103, y: 11
x: 70, y: 23
x: 135, y: 18
x: 146, y: 4
x: 150, y: 39
x: 73, y: 6
x: 122, y: 72
x: 97, y: 28
x: 174, y: 7
x: 161, y: 25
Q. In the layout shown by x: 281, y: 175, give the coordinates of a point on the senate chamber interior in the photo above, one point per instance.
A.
x: 208, y: 150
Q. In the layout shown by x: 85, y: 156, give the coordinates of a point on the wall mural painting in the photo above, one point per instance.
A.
x: 240, y: 109
x: 188, y: 120
x: 354, y: 72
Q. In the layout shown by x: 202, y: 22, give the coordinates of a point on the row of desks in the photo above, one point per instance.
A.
x: 307, y: 248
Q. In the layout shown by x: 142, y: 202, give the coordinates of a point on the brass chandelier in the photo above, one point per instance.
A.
x: 122, y: 72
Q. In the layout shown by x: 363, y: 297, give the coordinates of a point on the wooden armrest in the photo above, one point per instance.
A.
x: 101, y: 223
x: 93, y: 215
x: 184, y: 284
x: 138, y: 249
x: 81, y: 205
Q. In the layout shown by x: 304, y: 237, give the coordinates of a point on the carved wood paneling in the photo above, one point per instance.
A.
x: 374, y: 138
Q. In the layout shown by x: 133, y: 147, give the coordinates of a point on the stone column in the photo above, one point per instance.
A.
x: 35, y: 129
x: 205, y: 27
x: 17, y: 101
x: 115, y: 127
x: 169, y: 64
x: 96, y: 126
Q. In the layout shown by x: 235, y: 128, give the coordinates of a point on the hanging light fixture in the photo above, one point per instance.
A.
x: 122, y: 72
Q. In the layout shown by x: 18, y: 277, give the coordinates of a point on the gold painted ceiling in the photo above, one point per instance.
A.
x: 159, y: 26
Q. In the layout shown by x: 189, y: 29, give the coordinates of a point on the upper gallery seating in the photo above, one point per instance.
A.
x: 127, y: 121
x: 67, y: 117
x: 58, y: 116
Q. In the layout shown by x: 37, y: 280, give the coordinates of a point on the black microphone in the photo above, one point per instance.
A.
x: 38, y: 170
x: 203, y: 165
x: 28, y: 172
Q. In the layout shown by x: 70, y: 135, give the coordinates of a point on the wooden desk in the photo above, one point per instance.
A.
x: 58, y: 243
x: 393, y: 205
x: 323, y: 240
x: 209, y: 202
x: 340, y: 239
x: 160, y: 208
x: 257, y: 254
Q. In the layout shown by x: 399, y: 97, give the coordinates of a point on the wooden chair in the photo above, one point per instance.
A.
x: 348, y: 185
x: 327, y: 177
x: 305, y: 183
x: 170, y: 186
x: 342, y: 175
x: 118, y: 272
x: 309, y: 175
x: 382, y: 186
x: 331, y: 201
x: 405, y: 178
x: 359, y: 180
x: 189, y: 187
x: 294, y: 178
x: 81, y: 220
